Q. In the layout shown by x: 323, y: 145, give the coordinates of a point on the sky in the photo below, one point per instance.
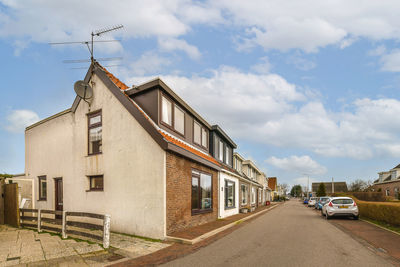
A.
x: 305, y: 88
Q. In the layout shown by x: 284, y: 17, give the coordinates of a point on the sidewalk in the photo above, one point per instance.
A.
x: 385, y: 242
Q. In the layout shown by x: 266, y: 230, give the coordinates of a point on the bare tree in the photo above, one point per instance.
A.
x: 359, y: 185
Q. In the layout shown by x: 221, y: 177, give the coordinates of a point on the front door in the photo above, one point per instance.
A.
x: 58, y: 194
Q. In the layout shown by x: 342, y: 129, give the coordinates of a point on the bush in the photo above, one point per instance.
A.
x: 369, y: 196
x: 380, y: 211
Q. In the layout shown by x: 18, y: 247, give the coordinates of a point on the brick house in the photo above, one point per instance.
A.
x: 140, y: 154
x: 389, y: 182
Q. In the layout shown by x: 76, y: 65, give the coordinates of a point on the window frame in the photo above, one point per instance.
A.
x: 197, y: 174
x: 220, y: 153
x: 173, y: 106
x: 40, y: 178
x: 246, y: 194
x: 227, y: 182
x: 93, y: 126
x: 90, y: 177
x: 201, y: 135
x: 253, y: 196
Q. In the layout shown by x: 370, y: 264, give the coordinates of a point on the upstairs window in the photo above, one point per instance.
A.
x: 227, y: 156
x: 221, y: 151
x: 179, y: 120
x: 95, y: 133
x: 42, y: 188
x: 200, y: 135
x: 166, y: 107
x: 96, y: 183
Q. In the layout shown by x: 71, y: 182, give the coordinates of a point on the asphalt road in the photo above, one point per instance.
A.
x: 289, y: 235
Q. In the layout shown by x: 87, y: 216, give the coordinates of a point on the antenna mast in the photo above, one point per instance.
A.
x: 98, y: 33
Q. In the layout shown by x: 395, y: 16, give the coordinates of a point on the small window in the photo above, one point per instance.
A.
x: 244, y: 194
x: 179, y: 120
x: 166, y: 108
x: 221, y: 151
x: 253, y: 195
x: 201, y: 192
x: 227, y: 156
x: 96, y: 183
x: 204, y: 137
x: 42, y: 188
x: 229, y: 194
x: 197, y: 133
x: 259, y: 195
x: 387, y: 192
x: 95, y: 133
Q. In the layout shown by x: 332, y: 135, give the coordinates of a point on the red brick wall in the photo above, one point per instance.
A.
x: 391, y: 186
x: 179, y: 193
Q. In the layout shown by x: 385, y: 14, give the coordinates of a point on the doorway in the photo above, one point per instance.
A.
x: 58, y: 195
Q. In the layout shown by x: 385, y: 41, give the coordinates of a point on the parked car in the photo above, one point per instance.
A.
x: 312, y: 201
x: 305, y: 201
x: 340, y: 206
x: 321, y: 202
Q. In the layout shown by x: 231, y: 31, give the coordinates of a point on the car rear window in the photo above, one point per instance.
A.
x: 324, y: 199
x: 342, y: 201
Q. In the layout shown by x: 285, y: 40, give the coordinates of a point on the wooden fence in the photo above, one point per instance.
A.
x: 11, y: 214
x: 68, y: 222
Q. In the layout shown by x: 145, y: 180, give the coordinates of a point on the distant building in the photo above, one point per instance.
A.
x: 339, y: 187
x: 389, y: 182
x: 273, y: 183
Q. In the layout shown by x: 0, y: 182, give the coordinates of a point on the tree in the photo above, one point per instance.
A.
x: 296, y: 191
x: 6, y: 175
x: 321, y: 190
x: 284, y: 188
x: 358, y: 186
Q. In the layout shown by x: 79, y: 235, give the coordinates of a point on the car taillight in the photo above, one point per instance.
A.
x: 354, y: 204
x: 330, y: 204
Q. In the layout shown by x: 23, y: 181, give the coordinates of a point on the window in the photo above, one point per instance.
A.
x: 95, y: 133
x: 197, y: 132
x: 204, y: 137
x: 396, y: 192
x: 42, y: 188
x: 387, y: 192
x: 201, y: 192
x: 253, y: 195
x: 259, y: 195
x: 96, y: 183
x: 166, y: 107
x: 244, y: 194
x: 221, y: 151
x: 227, y: 155
x: 229, y: 194
x: 394, y: 175
x: 179, y: 120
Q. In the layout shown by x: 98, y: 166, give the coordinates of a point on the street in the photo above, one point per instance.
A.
x: 290, y: 235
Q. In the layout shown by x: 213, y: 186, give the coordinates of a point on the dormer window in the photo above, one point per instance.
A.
x: 172, y: 116
x: 227, y: 156
x: 221, y: 151
x: 166, y: 107
x: 200, y: 135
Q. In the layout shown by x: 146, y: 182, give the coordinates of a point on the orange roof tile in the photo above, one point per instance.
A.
x: 169, y: 138
x: 115, y: 80
x: 188, y: 148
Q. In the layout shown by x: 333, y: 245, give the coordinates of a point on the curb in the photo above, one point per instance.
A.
x: 377, y: 225
x: 216, y: 231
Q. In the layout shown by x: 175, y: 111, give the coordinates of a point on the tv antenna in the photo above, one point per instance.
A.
x: 90, y: 44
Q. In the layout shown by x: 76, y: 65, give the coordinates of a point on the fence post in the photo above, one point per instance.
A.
x: 106, y: 231
x: 39, y: 221
x: 64, y: 224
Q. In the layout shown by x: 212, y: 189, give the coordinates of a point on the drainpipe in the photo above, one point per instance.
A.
x: 219, y: 194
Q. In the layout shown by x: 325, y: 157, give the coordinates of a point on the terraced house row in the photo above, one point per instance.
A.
x: 142, y: 155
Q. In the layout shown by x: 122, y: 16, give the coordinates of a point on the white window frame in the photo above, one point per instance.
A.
x: 253, y: 195
x: 244, y: 196
x: 180, y: 110
x: 221, y: 150
x: 163, y: 98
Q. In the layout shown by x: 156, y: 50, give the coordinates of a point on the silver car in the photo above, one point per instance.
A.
x: 311, y: 201
x: 340, y: 206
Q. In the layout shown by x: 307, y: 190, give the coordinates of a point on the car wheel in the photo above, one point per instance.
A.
x: 322, y: 214
x: 355, y: 217
x: 327, y: 216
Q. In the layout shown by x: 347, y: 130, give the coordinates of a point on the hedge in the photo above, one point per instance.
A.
x: 369, y: 196
x: 380, y: 211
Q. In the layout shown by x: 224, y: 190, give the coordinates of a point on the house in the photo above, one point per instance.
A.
x: 272, y: 183
x: 140, y: 154
x: 221, y: 148
x: 389, y: 182
x: 338, y: 187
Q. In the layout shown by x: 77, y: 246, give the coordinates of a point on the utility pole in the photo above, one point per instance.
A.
x: 333, y: 186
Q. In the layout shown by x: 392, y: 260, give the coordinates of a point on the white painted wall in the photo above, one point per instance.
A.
x: 224, y: 212
x: 132, y: 163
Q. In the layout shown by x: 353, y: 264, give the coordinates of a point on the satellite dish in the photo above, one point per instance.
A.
x: 83, y: 90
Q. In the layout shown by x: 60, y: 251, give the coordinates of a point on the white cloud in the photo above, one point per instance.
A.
x: 300, y: 62
x: 302, y: 164
x: 19, y: 119
x: 148, y: 63
x: 263, y: 67
x: 378, y: 51
x: 172, y: 44
x: 391, y: 61
x: 267, y: 109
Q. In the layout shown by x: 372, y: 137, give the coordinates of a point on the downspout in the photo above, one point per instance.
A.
x: 219, y: 194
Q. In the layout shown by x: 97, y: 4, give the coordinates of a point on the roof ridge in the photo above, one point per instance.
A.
x: 114, y: 79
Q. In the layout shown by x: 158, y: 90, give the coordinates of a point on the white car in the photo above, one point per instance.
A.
x: 340, y: 206
x: 312, y: 201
